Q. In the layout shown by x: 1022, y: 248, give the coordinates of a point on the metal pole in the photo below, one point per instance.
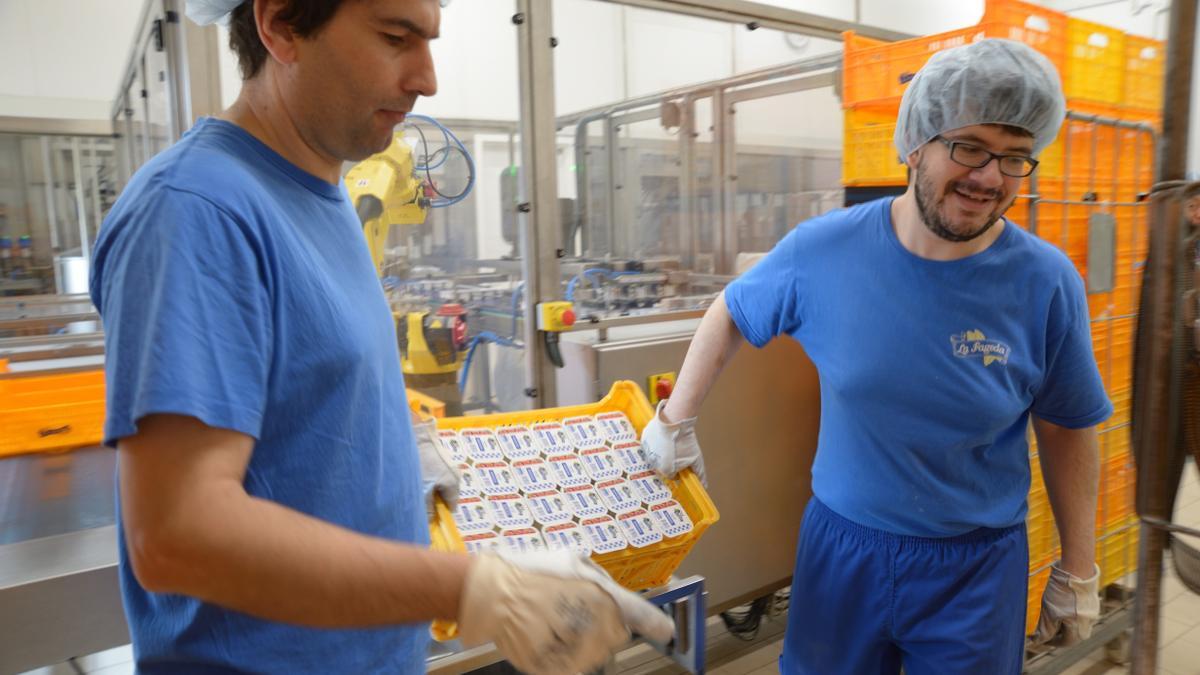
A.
x: 687, y: 182
x: 539, y: 213
x: 1177, y: 92
x: 80, y: 204
x: 1154, y: 437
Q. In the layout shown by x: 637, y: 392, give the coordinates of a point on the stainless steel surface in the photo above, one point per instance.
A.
x: 48, y: 494
x: 540, y: 227
x: 59, y: 594
x: 767, y: 16
x: 758, y: 428
x: 59, y: 598
x: 1110, y: 627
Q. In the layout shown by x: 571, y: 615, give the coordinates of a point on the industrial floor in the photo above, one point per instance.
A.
x: 1179, y: 644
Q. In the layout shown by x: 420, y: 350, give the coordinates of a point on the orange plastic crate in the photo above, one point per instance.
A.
x: 868, y: 151
x: 636, y: 569
x: 1095, y: 67
x: 1117, y: 551
x: 40, y: 413
x: 1145, y: 61
x: 1039, y: 576
x: 875, y: 72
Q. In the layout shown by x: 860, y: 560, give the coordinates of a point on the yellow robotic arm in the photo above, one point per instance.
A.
x: 385, y: 191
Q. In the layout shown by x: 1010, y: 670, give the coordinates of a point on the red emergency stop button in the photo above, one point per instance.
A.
x: 568, y: 317
x: 663, y: 387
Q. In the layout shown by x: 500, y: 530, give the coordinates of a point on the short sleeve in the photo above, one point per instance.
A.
x: 183, y: 293
x: 1071, y: 394
x: 763, y: 301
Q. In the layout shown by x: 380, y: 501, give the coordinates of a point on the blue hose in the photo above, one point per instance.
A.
x: 449, y: 137
x: 482, y: 337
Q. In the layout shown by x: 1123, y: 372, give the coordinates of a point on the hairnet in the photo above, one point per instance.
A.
x: 205, y: 12
x: 991, y: 81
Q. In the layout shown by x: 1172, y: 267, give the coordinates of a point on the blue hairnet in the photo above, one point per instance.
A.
x: 205, y: 12
x: 991, y: 81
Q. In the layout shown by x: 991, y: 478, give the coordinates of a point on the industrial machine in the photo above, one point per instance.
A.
x: 388, y: 192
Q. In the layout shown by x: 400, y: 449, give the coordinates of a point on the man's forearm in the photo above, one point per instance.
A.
x: 716, y: 340
x: 1070, y: 467
x: 266, y: 560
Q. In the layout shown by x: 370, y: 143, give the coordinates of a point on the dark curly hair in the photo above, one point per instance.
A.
x: 305, y: 17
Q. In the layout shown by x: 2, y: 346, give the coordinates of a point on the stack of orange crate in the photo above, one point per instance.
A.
x: 875, y: 74
x: 1096, y: 166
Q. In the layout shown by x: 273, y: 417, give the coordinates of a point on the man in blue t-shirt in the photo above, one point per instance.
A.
x: 272, y: 493
x: 939, y: 330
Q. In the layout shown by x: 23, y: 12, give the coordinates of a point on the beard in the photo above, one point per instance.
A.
x: 931, y: 206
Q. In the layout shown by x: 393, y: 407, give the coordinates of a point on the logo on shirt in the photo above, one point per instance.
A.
x: 973, y: 345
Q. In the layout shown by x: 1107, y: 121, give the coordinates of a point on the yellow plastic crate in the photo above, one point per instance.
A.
x: 635, y: 569
x: 868, y: 152
x: 1095, y: 68
x: 1145, y: 59
x: 46, y: 413
x: 1117, y: 551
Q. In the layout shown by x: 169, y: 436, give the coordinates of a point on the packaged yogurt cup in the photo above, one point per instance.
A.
x: 601, y: 464
x: 509, y: 511
x: 584, y: 432
x: 672, y: 519
x: 496, y: 478
x: 616, y: 427
x: 468, y: 482
x: 481, y: 445
x: 518, y: 443
x: 619, y: 494
x: 567, y: 537
x: 550, y: 507
x: 568, y: 470
x: 604, y: 534
x: 472, y: 515
x: 523, y: 540
x: 552, y: 438
x: 534, y: 475
x: 585, y: 501
x: 482, y: 542
x: 639, y: 527
x: 650, y: 487
x: 453, y: 445
x: 630, y: 456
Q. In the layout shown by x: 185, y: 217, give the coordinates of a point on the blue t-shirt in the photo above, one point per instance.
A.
x: 237, y: 289
x: 928, y: 369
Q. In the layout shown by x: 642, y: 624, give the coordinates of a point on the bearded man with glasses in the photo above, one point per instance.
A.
x: 939, y: 329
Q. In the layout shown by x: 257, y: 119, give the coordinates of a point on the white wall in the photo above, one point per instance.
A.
x: 63, y: 58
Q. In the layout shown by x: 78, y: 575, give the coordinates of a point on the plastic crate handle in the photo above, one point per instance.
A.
x: 1038, y: 23
x: 54, y: 431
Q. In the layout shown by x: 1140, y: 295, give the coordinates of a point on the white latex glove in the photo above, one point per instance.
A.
x: 671, y: 448
x: 552, y: 612
x: 437, y: 472
x: 1070, y: 606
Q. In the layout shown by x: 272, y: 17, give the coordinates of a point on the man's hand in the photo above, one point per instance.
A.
x: 671, y: 447
x: 438, y: 474
x: 1070, y: 606
x: 552, y: 612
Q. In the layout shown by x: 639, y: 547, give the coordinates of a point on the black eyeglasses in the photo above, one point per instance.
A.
x: 976, y: 157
